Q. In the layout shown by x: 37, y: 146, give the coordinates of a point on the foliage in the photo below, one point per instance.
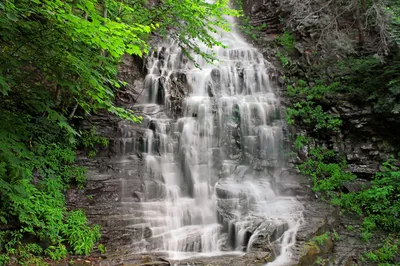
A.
x: 91, y: 141
x: 320, y: 240
x: 349, y: 227
x: 335, y: 236
x: 287, y: 41
x: 378, y: 204
x: 300, y: 141
x: 81, y: 237
x: 193, y: 21
x: 313, y: 116
x: 28, y: 254
x: 101, y: 248
x: 307, y: 111
x: 326, y: 169
x: 385, y: 255
x: 393, y: 9
x: 73, y: 48
x: 59, y: 62
x: 369, y: 77
x: 35, y: 168
x: 369, y: 80
x: 283, y: 58
x: 300, y: 89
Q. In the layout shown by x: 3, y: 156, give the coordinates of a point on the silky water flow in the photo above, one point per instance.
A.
x: 213, y: 165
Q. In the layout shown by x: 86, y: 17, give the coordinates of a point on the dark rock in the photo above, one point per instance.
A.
x: 264, y: 12
x: 356, y: 185
x: 266, y: 233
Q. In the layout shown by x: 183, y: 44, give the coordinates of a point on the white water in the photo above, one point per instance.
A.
x: 212, y: 175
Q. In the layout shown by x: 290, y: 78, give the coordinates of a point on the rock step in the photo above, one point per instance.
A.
x: 186, y: 232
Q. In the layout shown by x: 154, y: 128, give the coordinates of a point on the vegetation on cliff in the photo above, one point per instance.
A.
x: 58, y: 63
x: 349, y: 50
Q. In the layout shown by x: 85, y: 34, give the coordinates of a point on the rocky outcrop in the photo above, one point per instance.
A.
x: 365, y: 139
x: 265, y: 12
x: 177, y: 89
x: 131, y: 70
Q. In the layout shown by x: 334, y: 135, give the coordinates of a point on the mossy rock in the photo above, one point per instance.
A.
x: 312, y: 251
x: 310, y: 254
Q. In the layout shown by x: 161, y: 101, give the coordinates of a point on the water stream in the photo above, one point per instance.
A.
x: 212, y: 180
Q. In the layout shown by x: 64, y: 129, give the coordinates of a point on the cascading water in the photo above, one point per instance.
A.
x: 212, y: 176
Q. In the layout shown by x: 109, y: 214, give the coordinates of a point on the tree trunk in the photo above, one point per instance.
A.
x: 359, y: 23
x: 73, y: 111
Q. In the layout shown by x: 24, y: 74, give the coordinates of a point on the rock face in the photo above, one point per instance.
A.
x: 264, y: 12
x: 114, y: 180
x: 131, y: 71
x: 367, y: 138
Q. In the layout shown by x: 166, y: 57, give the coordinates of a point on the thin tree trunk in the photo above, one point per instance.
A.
x: 359, y: 24
x: 58, y: 95
x: 73, y: 111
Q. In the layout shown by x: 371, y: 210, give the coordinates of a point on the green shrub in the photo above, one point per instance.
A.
x: 380, y: 203
x: 320, y: 240
x: 313, y: 116
x: 80, y: 236
x: 385, y: 255
x: 287, y: 41
x: 307, y: 111
x: 311, y: 93
x: 326, y: 170
x: 335, y: 236
x: 300, y: 142
x: 283, y: 58
x: 245, y: 25
x: 91, y: 141
x: 102, y: 248
x: 36, y: 166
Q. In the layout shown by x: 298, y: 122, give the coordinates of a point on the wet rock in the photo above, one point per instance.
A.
x: 260, y: 257
x: 177, y: 89
x: 266, y: 233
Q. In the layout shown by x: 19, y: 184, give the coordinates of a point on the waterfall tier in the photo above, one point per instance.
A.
x: 213, y: 154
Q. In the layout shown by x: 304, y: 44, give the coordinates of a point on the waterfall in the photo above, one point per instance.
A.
x: 213, y: 153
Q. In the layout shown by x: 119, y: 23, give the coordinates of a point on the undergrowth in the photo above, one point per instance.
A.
x: 366, y: 80
x: 308, y: 111
x: 37, y: 165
